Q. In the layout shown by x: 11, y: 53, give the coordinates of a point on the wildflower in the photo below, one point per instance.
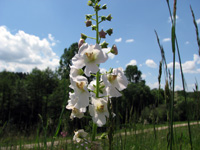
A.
x: 89, y: 56
x: 115, y: 81
x: 79, y: 113
x: 79, y: 85
x: 79, y: 135
x: 98, y: 110
x: 63, y: 133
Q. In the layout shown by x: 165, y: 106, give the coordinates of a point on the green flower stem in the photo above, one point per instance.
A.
x: 91, y: 38
x: 94, y: 128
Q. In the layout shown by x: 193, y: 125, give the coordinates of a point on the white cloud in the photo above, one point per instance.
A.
x: 132, y: 62
x: 169, y: 19
x: 50, y: 37
x: 187, y: 42
x: 153, y: 85
x: 150, y: 63
x: 188, y: 66
x: 118, y: 40
x: 143, y: 76
x: 170, y: 65
x: 198, y: 21
x: 110, y: 55
x: 129, y: 40
x: 117, y: 61
x: 166, y: 39
x: 23, y: 52
x: 178, y: 88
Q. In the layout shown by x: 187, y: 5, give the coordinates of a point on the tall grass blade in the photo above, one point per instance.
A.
x: 196, y: 28
x: 175, y: 42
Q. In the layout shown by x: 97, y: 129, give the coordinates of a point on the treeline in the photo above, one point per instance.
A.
x: 26, y: 96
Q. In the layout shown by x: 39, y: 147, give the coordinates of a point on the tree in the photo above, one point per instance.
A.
x: 133, y: 74
x: 66, y: 60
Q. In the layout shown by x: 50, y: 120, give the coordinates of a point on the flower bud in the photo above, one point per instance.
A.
x: 102, y: 34
x: 104, y: 45
x: 80, y: 43
x: 114, y: 50
x: 109, y: 31
x: 88, y: 23
x: 97, y: 7
x: 94, y: 27
x: 109, y: 17
x: 104, y: 6
x: 103, y: 18
x: 83, y: 36
x: 88, y: 16
x: 90, y: 3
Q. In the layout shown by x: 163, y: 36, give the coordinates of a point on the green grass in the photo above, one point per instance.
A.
x: 124, y: 139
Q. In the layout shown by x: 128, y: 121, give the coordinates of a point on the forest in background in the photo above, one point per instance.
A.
x: 28, y: 100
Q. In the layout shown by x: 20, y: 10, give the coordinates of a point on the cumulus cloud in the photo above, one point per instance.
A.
x: 150, y: 63
x: 198, y: 21
x: 23, y: 52
x: 110, y: 55
x: 166, y: 39
x: 132, y: 62
x: 129, y: 40
x: 188, y: 66
x: 118, y: 40
x: 170, y: 65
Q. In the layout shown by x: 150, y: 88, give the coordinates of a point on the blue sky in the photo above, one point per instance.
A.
x: 34, y: 33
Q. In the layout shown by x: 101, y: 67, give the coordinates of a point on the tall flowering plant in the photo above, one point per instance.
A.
x: 96, y: 94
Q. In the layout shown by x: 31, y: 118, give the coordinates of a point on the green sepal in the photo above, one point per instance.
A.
x: 104, y: 44
x: 104, y: 6
x: 94, y: 27
x: 83, y: 36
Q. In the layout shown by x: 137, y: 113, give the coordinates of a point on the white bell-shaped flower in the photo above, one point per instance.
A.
x: 99, y: 111
x: 79, y: 135
x: 115, y: 82
x: 79, y: 85
x: 89, y: 56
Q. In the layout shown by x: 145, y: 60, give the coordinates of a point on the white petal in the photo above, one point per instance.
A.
x: 83, y: 48
x: 78, y: 61
x: 83, y: 101
x: 91, y: 68
x: 113, y: 92
x: 101, y: 120
x: 91, y: 110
